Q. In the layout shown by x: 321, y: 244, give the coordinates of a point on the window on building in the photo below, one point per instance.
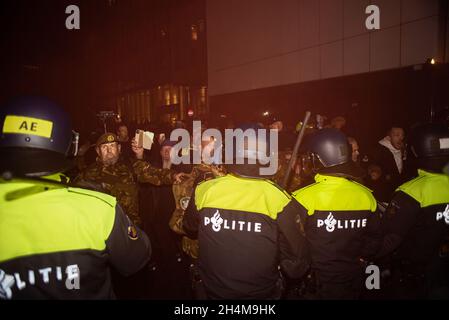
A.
x: 194, y: 32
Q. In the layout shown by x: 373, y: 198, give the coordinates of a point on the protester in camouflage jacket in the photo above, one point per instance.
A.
x: 119, y: 179
x: 182, y: 193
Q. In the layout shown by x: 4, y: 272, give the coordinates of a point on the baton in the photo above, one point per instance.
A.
x: 295, y: 150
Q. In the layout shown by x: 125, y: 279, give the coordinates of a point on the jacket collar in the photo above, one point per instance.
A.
x: 321, y: 178
x: 386, y: 142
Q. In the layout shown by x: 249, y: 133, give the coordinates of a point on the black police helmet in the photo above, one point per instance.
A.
x: 430, y: 140
x: 36, y: 137
x: 247, y: 159
x: 330, y: 147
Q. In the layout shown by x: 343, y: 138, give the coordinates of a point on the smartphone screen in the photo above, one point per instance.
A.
x: 144, y: 139
x: 148, y: 137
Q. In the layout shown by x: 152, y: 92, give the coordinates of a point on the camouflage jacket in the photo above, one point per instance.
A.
x: 120, y: 180
x: 182, y: 193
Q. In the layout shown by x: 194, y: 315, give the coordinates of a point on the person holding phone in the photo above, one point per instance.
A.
x: 114, y: 176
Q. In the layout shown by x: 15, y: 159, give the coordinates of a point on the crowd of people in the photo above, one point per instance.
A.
x: 155, y: 201
x: 166, y: 201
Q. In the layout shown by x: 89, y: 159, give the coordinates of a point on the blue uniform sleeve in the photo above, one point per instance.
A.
x: 372, y: 238
x: 128, y: 247
x: 399, y: 218
x: 295, y: 257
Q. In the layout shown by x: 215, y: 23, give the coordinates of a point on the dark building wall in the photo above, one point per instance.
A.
x: 256, y: 44
x: 296, y: 55
x: 371, y: 102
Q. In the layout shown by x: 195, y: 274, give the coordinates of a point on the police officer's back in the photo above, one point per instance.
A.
x: 56, y: 242
x: 417, y: 219
x: 340, y: 218
x: 246, y: 228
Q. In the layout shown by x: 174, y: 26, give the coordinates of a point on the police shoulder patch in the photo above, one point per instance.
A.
x: 184, y: 202
x: 132, y: 233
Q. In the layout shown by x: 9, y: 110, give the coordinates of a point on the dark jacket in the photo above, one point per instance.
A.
x: 383, y: 156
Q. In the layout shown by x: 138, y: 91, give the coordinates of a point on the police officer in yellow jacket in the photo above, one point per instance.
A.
x: 246, y: 227
x: 417, y: 220
x: 340, y: 218
x: 56, y: 242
